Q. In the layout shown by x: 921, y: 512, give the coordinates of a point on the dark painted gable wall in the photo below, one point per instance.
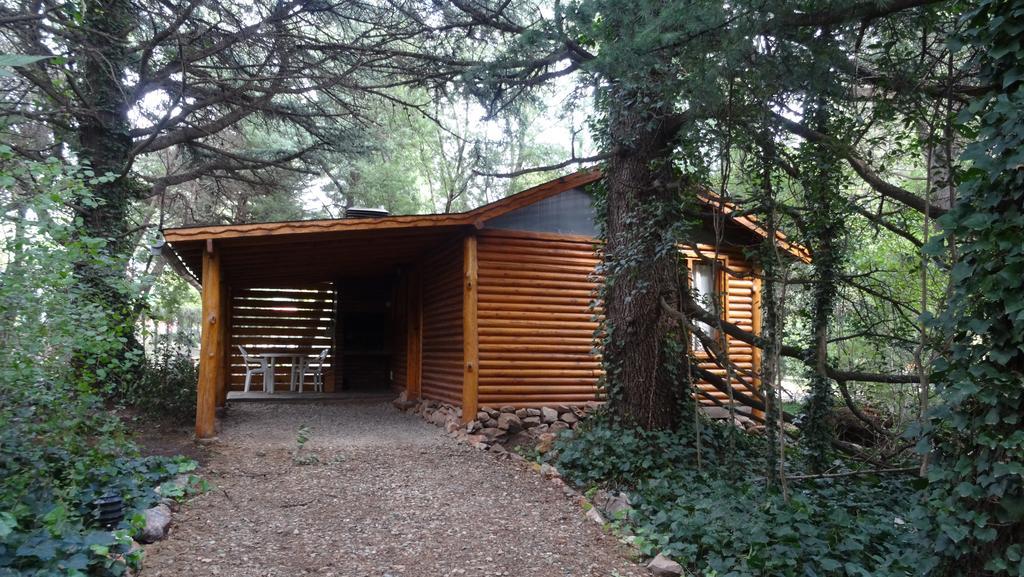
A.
x: 570, y: 212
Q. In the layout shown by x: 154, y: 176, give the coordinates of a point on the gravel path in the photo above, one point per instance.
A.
x: 391, y: 496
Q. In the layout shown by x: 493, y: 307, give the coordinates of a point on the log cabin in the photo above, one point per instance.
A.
x: 491, y: 307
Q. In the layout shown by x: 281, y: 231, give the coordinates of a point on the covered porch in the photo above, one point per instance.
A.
x: 283, y: 301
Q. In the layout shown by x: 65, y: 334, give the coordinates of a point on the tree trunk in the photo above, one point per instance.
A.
x: 645, y: 352
x: 104, y: 142
x: 822, y: 186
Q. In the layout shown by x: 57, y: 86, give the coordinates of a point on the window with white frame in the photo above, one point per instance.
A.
x: 705, y: 291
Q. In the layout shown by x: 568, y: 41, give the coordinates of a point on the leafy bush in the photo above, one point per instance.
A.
x: 59, y: 448
x: 721, y: 519
x: 59, y: 452
x: 166, y: 385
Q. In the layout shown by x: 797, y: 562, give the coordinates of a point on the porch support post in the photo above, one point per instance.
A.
x: 211, y: 345
x: 224, y: 375
x: 414, y: 334
x: 470, y: 342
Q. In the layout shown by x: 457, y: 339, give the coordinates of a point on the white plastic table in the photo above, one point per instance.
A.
x: 270, y: 359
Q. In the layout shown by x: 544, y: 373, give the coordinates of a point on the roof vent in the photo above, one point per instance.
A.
x: 360, y: 212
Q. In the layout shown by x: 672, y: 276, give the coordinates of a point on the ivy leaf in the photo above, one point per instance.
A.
x: 44, y: 550
x: 7, y: 524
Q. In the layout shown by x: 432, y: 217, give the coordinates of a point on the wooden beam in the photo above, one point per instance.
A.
x: 756, y: 329
x: 414, y: 335
x: 224, y: 377
x: 211, y: 347
x: 470, y: 334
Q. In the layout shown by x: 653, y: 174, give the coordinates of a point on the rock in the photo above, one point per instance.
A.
x: 548, y: 415
x: 715, y: 412
x: 521, y: 439
x: 532, y: 412
x: 492, y: 413
x: 158, y: 520
x: 474, y: 439
x: 531, y: 422
x: 559, y: 426
x: 451, y: 427
x: 614, y: 505
x: 508, y: 409
x: 547, y: 442
x: 547, y: 470
x: 510, y: 422
x: 473, y: 426
x: 570, y: 418
x: 540, y: 430
x: 662, y: 566
x: 402, y: 403
x: 492, y: 433
x: 482, y: 416
x: 178, y: 482
x: 498, y: 449
x: 490, y: 423
x: 595, y: 516
x: 521, y: 413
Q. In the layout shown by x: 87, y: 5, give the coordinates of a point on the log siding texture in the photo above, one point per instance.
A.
x: 535, y: 317
x: 442, y: 346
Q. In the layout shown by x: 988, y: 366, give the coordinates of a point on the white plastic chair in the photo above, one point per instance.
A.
x: 318, y: 372
x: 249, y: 369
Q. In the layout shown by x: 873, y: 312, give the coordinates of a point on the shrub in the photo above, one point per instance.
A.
x: 721, y: 519
x: 59, y: 448
x: 166, y: 385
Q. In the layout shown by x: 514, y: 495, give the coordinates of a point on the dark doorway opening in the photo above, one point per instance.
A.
x: 364, y: 335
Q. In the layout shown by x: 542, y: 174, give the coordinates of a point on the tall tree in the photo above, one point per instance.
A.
x: 675, y: 81
x: 127, y: 81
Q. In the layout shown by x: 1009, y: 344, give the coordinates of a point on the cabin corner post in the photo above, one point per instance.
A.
x: 414, y: 335
x: 224, y: 375
x: 755, y: 320
x: 470, y: 332
x: 211, y: 347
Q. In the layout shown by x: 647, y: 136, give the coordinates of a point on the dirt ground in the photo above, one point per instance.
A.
x: 390, y: 495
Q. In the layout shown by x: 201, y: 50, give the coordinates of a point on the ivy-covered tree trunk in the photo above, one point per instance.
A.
x: 821, y: 183
x: 105, y: 144
x: 645, y: 352
x: 977, y: 479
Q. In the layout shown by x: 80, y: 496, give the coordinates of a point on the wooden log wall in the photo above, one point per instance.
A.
x: 441, y: 313
x: 536, y: 324
x: 299, y: 318
x: 399, y: 333
x: 536, y: 320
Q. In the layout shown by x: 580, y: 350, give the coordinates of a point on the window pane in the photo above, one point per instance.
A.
x: 704, y: 290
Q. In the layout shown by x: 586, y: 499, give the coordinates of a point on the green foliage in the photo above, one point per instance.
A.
x: 59, y: 448
x: 166, y: 386
x: 722, y: 521
x: 825, y: 231
x: 301, y: 456
x: 977, y: 481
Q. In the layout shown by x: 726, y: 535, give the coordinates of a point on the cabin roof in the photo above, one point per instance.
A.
x: 269, y: 252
